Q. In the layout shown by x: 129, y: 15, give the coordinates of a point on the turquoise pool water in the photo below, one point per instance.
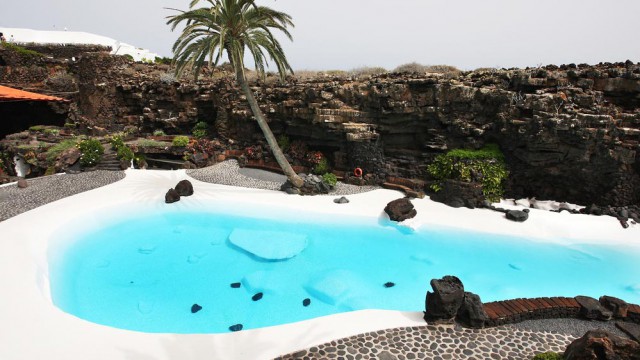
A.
x: 147, y: 272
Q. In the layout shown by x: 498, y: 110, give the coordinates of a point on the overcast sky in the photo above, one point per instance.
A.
x: 344, y: 34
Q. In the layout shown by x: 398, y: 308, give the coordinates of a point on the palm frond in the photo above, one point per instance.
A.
x: 229, y: 27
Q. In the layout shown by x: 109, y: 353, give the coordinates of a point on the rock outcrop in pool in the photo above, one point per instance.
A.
x: 269, y: 245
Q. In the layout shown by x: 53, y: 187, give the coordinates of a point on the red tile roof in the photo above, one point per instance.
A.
x: 11, y: 94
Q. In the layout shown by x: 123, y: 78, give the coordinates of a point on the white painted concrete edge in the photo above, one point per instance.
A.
x: 33, y: 328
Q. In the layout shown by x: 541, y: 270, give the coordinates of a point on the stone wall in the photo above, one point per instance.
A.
x: 569, y: 133
x: 65, y: 51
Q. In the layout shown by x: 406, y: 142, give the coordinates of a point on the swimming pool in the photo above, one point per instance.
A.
x: 147, y: 270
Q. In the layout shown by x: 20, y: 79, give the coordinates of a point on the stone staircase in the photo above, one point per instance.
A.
x: 109, y: 162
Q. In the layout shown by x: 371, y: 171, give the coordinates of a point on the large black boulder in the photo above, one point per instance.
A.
x: 184, y: 188
x: 443, y: 303
x: 171, y: 196
x: 400, y: 210
x: 471, y: 312
x: 602, y: 345
x: 617, y: 306
x: 518, y: 215
x: 591, y: 309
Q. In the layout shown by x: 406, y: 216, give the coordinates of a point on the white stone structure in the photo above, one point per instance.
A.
x: 76, y: 38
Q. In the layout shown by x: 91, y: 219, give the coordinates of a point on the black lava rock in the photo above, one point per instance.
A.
x: 257, y: 296
x: 400, y: 210
x: 195, y: 308
x: 341, y: 200
x: 171, y: 196
x: 591, y: 309
x: 236, y: 327
x: 389, y: 284
x: 184, y: 188
x: 443, y: 303
x: 235, y: 285
x: 517, y: 215
x: 471, y: 312
x: 306, y: 302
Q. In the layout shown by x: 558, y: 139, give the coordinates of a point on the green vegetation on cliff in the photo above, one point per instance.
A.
x: 485, y: 165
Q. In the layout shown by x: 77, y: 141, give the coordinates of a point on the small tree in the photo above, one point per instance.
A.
x: 232, y: 27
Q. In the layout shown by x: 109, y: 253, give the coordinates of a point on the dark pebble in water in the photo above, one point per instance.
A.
x: 235, y: 285
x: 195, y: 308
x: 236, y: 327
x: 306, y: 302
x: 389, y: 284
x: 257, y: 296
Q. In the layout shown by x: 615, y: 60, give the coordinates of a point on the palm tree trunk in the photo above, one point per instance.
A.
x: 271, y: 140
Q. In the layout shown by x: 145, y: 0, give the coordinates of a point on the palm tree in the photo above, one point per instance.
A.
x: 231, y: 26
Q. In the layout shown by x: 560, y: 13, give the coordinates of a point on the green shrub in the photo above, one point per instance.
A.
x: 549, y: 355
x: 158, y: 133
x: 4, y: 161
x: 163, y: 60
x: 180, y: 141
x: 37, y: 128
x: 22, y: 51
x: 128, y: 57
x: 53, y: 132
x: 140, y: 160
x: 92, y: 151
x: 57, y: 149
x: 125, y: 153
x: 51, y: 170
x: 116, y: 142
x: 200, y: 130
x: 322, y: 166
x: 330, y: 179
x: 284, y: 142
x: 152, y: 143
x: 487, y: 164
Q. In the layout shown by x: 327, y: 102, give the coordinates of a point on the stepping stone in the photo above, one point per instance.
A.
x: 269, y: 245
x: 257, y: 296
x: 306, y: 302
x: 235, y: 285
x: 389, y: 284
x: 236, y: 327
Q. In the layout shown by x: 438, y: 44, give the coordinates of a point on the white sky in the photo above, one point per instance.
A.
x: 344, y: 34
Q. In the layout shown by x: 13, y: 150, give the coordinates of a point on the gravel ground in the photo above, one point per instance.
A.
x: 229, y: 173
x: 574, y: 327
x: 43, y: 190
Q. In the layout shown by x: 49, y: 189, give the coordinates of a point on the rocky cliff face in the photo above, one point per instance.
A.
x: 569, y: 133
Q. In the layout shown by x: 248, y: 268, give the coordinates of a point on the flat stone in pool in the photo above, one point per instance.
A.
x: 269, y: 245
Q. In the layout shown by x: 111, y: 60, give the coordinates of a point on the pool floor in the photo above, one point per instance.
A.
x: 180, y: 272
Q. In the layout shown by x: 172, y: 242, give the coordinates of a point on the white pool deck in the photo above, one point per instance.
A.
x: 33, y: 328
